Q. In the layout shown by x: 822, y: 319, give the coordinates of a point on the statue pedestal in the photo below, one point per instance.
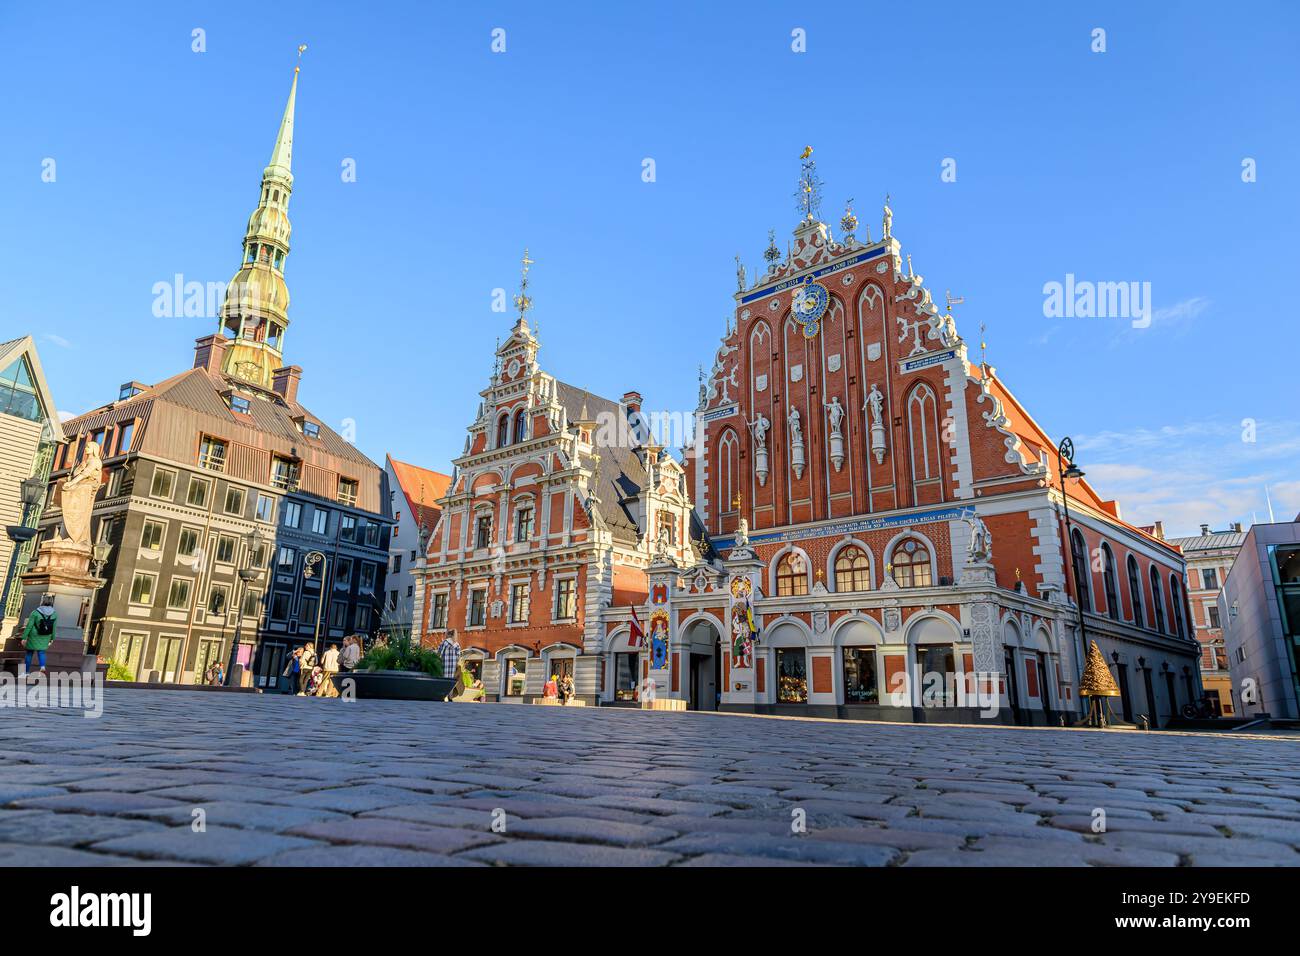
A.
x: 62, y: 570
x: 978, y: 573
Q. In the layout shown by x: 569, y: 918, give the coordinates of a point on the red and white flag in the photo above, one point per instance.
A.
x: 637, y: 637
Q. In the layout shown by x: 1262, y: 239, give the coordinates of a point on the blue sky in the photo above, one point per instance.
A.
x: 1117, y: 166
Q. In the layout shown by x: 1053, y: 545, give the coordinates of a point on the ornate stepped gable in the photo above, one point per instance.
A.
x: 555, y: 483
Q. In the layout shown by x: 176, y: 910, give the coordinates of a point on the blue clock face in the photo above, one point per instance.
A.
x: 807, y: 306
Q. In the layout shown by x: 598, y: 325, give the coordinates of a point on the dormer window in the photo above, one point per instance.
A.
x: 310, y: 429
x: 239, y: 404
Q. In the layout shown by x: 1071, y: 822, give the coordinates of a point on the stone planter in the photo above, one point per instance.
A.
x: 395, y: 685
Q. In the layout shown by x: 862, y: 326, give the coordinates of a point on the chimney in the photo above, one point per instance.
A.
x: 284, y: 382
x: 209, y: 352
x: 633, y: 401
x: 1205, y: 529
x: 1160, y: 530
x: 1236, y: 526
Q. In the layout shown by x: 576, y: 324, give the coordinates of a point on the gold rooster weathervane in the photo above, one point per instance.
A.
x: 302, y: 48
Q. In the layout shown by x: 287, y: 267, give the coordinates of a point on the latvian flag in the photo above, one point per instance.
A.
x: 637, y: 637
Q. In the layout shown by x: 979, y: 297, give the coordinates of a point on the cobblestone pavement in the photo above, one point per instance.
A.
x: 297, y: 781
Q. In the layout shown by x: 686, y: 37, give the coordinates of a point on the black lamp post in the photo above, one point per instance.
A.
x: 1065, y: 453
x: 32, y: 490
x: 247, y: 575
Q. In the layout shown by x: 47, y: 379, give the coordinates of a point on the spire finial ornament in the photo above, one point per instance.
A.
x: 849, y: 222
x: 302, y: 48
x: 771, y: 253
x: 810, y: 186
x: 888, y: 221
x: 740, y: 275
x: 522, y: 301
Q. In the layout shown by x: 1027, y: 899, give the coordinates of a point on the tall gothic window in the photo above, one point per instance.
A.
x: 1082, y: 575
x: 852, y: 570
x: 1157, y: 602
x: 727, y: 462
x: 1176, y: 604
x: 503, y: 431
x: 923, y: 435
x: 791, y: 576
x: 1108, y: 581
x: 521, y: 425
x: 1135, y: 592
x: 911, y: 565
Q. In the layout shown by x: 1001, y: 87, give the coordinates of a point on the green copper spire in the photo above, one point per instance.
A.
x: 281, y: 164
x: 255, y: 315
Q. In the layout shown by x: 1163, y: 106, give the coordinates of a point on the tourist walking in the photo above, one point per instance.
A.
x: 329, y: 667
x: 352, y: 654
x: 306, y: 662
x: 449, y: 650
x: 40, y: 632
x: 566, y: 688
x: 291, y: 669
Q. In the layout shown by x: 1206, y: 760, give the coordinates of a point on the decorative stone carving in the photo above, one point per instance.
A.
x: 835, y: 413
x: 759, y: 426
x: 833, y: 362
x: 796, y: 373
x: 983, y: 645
x: 796, y: 443
x: 875, y: 404
x: 893, y: 620
x: 980, y: 547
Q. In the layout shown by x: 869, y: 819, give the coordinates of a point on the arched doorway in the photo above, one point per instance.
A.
x: 703, y: 639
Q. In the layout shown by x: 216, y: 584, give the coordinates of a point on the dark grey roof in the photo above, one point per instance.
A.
x: 1213, y: 541
x: 621, y: 475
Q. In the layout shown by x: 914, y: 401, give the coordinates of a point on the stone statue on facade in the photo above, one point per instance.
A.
x: 980, y: 548
x: 77, y: 494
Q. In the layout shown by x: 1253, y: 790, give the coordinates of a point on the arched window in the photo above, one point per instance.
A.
x: 911, y: 565
x: 1157, y: 604
x: 1176, y: 604
x: 1135, y: 592
x: 1082, y: 576
x: 1108, y: 580
x: 923, y: 435
x: 852, y: 570
x: 727, y: 462
x: 791, y: 576
x: 521, y: 425
x: 503, y: 431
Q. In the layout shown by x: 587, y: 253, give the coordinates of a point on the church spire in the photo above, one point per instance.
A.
x: 255, y: 313
x: 282, y: 156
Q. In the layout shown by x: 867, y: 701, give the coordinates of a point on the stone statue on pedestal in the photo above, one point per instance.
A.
x: 77, y: 494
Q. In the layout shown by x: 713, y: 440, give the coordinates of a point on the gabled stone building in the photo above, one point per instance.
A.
x: 198, y: 465
x: 893, y: 518
x: 557, y: 507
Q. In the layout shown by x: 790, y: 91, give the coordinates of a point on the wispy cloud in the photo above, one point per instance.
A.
x: 1196, y: 472
x: 58, y: 340
x: 1179, y: 312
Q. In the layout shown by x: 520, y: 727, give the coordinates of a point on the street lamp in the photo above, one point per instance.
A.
x: 31, y: 490
x: 309, y: 564
x: 247, y: 575
x: 99, y: 556
x: 1064, y: 453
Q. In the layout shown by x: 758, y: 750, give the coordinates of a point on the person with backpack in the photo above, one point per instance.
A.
x: 40, y: 632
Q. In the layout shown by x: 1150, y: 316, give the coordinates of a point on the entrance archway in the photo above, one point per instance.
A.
x: 703, y: 677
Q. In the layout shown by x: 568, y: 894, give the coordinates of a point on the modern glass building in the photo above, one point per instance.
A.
x: 1260, y: 607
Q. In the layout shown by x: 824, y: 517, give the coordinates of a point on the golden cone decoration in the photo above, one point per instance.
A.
x: 1097, y: 680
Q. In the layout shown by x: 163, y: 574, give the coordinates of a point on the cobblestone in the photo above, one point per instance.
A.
x: 379, y: 783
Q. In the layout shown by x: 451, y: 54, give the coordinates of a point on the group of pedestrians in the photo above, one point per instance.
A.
x: 314, y: 677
